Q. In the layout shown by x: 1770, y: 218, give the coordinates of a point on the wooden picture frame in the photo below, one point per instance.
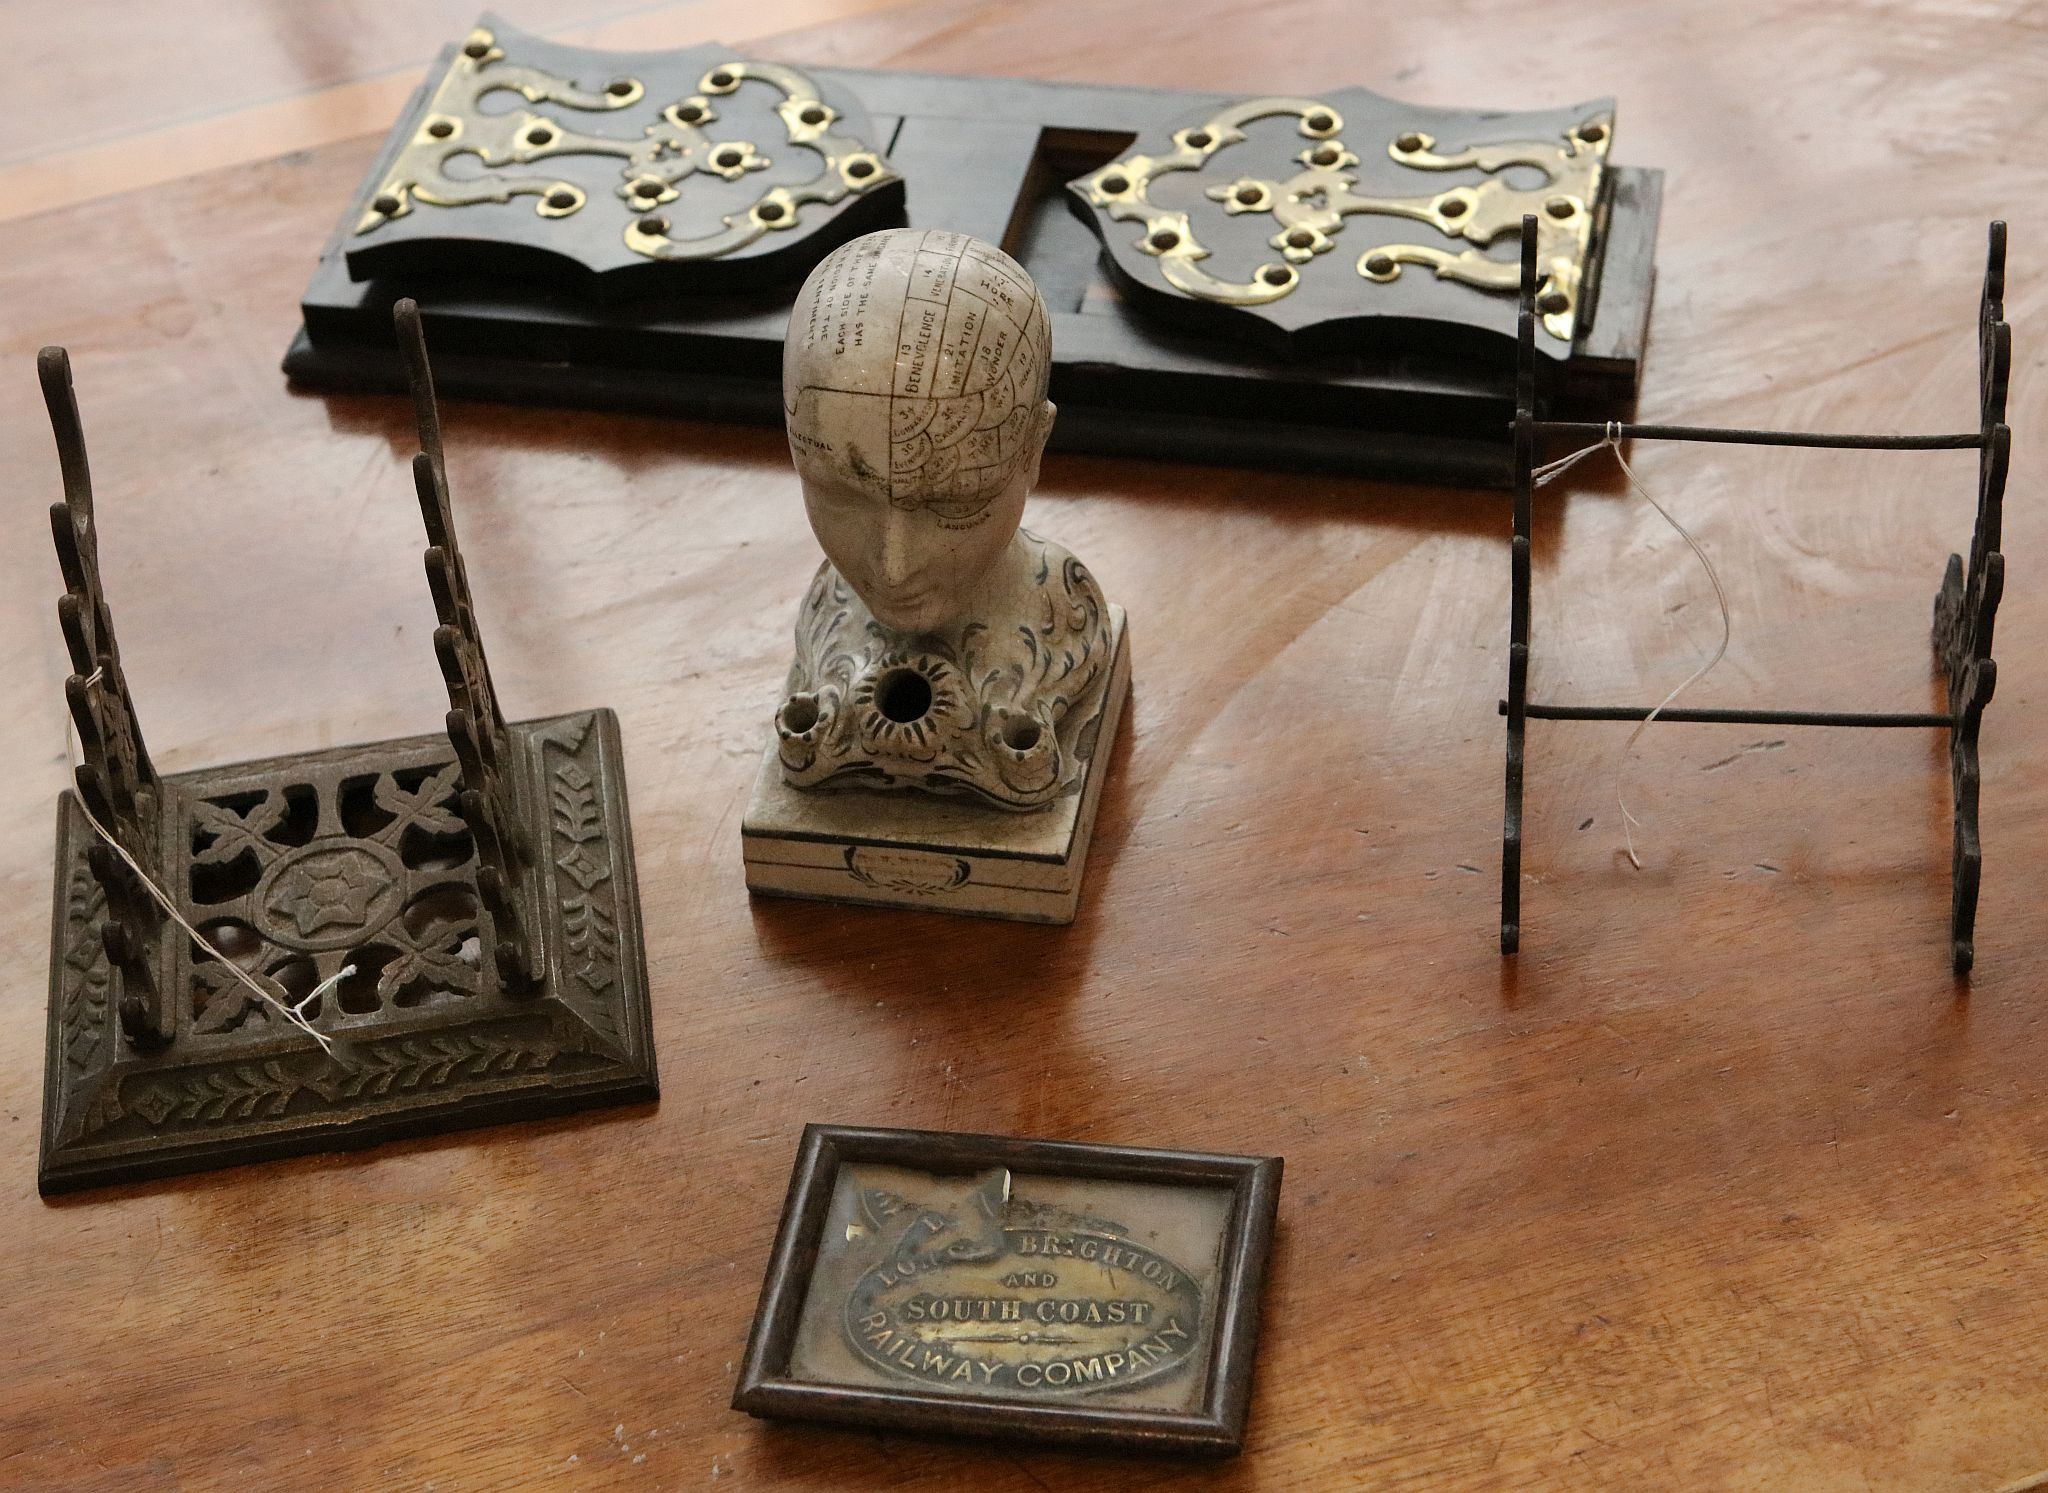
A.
x: 1212, y: 1374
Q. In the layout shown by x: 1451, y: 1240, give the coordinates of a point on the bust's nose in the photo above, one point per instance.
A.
x: 897, y: 560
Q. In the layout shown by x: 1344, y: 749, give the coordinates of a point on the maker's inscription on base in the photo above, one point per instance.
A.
x: 1014, y: 1286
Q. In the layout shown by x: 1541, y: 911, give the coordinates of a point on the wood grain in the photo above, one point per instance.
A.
x: 1724, y: 1184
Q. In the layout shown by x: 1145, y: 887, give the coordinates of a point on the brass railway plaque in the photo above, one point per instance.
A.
x: 972, y: 1284
x: 1004, y: 1296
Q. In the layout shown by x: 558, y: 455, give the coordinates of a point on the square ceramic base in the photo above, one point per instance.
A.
x: 425, y: 1042
x: 938, y: 854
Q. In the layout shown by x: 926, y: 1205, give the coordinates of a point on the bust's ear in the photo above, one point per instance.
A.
x: 1041, y: 431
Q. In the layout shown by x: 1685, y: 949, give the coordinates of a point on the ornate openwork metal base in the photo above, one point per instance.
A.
x: 298, y: 867
x: 333, y: 948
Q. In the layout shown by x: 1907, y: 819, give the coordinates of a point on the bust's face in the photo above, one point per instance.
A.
x: 918, y: 558
x: 913, y: 382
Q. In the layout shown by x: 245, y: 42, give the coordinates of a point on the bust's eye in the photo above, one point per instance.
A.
x: 847, y: 495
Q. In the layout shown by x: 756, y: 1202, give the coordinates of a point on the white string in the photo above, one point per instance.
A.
x: 295, y: 1014
x: 1552, y: 470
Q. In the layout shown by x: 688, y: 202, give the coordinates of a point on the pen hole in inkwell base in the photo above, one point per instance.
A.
x: 799, y: 714
x: 1022, y: 734
x: 903, y: 695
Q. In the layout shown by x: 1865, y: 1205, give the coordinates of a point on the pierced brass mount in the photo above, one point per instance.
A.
x: 1311, y: 205
x: 669, y: 150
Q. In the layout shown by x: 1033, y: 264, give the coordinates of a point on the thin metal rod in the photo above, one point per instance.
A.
x: 1594, y: 430
x: 1922, y: 718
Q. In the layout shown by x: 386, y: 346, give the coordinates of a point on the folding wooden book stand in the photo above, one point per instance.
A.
x: 1964, y: 610
x: 400, y: 938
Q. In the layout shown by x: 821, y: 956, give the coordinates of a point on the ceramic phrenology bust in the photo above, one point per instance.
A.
x: 944, y: 653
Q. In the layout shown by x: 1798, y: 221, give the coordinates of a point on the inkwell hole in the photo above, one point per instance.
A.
x: 903, y: 695
x: 1022, y: 734
x: 799, y: 714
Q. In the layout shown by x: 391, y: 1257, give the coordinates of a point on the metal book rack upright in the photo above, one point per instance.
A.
x: 1964, y: 609
x: 394, y: 938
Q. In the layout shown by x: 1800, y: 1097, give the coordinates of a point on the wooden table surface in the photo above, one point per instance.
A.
x: 1725, y: 1183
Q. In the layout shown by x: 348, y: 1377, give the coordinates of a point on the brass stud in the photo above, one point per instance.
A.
x: 561, y: 201
x: 539, y: 136
x: 1115, y: 184
x: 477, y: 50
x: 860, y: 169
x: 385, y: 203
x: 1379, y: 264
x: 1560, y: 207
x: 812, y: 115
x: 1409, y: 143
x: 653, y: 225
x: 441, y: 129
x: 1251, y: 196
x: 1199, y: 140
x: 1551, y: 302
x: 1455, y: 208
x: 1592, y: 134
x: 1301, y: 238
x: 1165, y: 239
x: 769, y: 212
x: 1276, y: 274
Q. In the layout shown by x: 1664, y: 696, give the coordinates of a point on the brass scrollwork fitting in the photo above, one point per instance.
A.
x: 1310, y: 207
x: 670, y: 150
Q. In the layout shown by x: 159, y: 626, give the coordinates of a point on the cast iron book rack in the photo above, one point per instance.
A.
x: 1964, y: 609
x: 401, y: 937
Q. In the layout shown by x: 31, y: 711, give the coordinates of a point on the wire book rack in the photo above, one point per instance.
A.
x: 1965, y: 609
